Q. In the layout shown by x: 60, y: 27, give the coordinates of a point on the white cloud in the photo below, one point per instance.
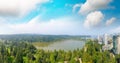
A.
x: 2, y: 21
x: 76, y: 6
x: 59, y: 26
x: 4, y: 25
x: 53, y: 26
x: 93, y: 19
x: 18, y: 7
x: 110, y: 21
x: 93, y: 5
x: 115, y: 30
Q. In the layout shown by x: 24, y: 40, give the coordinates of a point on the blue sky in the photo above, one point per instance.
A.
x: 59, y: 17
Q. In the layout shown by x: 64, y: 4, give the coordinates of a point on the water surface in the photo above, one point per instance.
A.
x: 64, y: 45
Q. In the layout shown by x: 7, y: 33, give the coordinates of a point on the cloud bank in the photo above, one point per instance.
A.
x: 18, y: 7
x: 37, y: 26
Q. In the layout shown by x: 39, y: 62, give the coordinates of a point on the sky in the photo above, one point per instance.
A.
x: 59, y: 17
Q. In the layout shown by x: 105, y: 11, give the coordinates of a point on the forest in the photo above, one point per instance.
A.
x: 25, y: 52
x: 39, y: 38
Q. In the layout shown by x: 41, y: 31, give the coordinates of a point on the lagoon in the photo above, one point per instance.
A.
x: 64, y: 45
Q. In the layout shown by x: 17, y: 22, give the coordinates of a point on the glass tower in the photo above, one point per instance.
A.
x: 115, y: 44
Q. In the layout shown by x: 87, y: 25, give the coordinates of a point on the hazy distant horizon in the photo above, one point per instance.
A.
x: 47, y: 34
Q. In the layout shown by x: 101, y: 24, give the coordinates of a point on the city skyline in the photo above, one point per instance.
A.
x: 59, y: 17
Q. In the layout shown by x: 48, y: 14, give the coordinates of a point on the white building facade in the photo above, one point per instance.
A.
x: 105, y: 39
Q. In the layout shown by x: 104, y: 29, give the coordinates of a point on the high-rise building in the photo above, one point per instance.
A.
x: 105, y: 39
x: 100, y: 39
x: 116, y: 44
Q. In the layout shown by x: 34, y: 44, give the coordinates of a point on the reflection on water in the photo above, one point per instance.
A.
x: 64, y: 45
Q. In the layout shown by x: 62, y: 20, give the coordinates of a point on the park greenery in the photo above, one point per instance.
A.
x: 26, y: 52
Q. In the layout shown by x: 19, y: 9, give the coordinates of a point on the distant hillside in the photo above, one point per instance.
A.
x: 37, y: 38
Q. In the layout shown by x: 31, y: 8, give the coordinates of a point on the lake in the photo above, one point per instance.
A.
x: 64, y: 45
